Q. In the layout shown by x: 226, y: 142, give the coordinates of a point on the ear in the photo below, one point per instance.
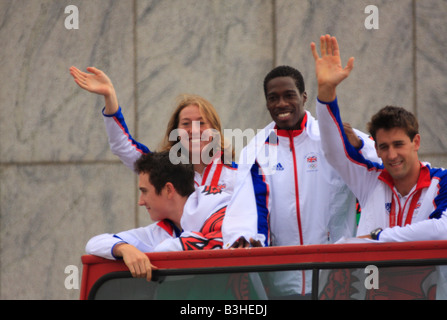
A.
x: 169, y: 189
x: 304, y: 97
x: 417, y: 141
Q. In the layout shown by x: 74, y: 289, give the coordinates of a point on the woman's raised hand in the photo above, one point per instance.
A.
x: 96, y: 81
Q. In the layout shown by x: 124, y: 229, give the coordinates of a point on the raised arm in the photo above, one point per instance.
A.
x: 97, y: 82
x: 357, y: 169
x: 328, y: 68
x: 121, y: 142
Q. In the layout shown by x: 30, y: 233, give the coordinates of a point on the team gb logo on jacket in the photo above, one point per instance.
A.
x: 312, y: 162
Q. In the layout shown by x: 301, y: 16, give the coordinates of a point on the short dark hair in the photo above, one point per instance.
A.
x: 161, y: 171
x: 394, y: 117
x: 285, y: 71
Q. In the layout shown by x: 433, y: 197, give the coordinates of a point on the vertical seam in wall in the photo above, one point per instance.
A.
x: 414, y: 34
x: 135, y: 94
x: 274, y: 37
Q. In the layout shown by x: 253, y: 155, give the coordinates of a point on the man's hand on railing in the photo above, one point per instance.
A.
x: 138, y: 263
x: 243, y: 243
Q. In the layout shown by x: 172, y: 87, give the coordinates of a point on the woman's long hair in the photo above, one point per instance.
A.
x: 209, y: 113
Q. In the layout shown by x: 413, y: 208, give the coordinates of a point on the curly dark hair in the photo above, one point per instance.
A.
x: 285, y: 71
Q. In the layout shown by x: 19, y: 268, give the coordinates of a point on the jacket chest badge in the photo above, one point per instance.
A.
x: 312, y: 162
x: 388, y: 207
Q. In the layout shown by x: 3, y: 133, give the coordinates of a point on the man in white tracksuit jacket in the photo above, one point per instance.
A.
x: 403, y: 199
x: 186, y: 217
x: 286, y: 192
x: 201, y: 221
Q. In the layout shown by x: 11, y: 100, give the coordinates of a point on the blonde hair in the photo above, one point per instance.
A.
x: 208, y: 112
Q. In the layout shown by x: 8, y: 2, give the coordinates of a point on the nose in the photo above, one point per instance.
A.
x: 392, y: 154
x: 281, y: 103
x: 141, y: 201
x: 194, y: 130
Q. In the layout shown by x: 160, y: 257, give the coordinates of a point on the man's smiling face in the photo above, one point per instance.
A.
x: 156, y: 203
x: 285, y: 103
x: 398, y: 152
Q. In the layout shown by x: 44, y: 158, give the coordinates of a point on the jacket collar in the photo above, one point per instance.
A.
x: 292, y: 133
x: 424, y: 179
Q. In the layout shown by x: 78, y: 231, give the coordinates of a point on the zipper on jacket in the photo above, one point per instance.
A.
x: 297, y: 201
x: 297, y: 204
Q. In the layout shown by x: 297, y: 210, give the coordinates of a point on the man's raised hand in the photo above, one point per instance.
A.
x: 328, y: 67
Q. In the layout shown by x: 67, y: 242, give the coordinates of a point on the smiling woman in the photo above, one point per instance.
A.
x: 218, y: 169
x: 196, y: 120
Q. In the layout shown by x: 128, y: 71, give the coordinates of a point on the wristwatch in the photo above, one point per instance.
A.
x: 375, y: 233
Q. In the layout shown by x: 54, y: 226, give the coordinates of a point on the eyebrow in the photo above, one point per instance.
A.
x: 392, y: 142
x: 286, y: 91
x: 187, y: 118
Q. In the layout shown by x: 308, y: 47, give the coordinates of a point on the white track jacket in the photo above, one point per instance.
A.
x: 288, y: 194
x: 201, y: 222
x: 419, y: 216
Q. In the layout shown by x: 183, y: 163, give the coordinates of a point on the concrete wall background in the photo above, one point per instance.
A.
x: 59, y: 182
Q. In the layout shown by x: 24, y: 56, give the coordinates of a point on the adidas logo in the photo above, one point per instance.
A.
x: 278, y: 167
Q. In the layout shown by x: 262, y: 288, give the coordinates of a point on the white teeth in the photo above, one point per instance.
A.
x: 283, y: 115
